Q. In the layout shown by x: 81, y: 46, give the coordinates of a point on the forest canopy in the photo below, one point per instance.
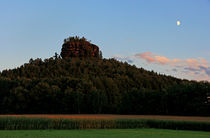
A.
x: 78, y: 85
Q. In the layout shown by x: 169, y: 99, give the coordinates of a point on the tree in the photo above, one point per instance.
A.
x: 56, y: 56
x: 100, y: 55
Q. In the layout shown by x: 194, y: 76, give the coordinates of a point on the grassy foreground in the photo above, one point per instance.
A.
x: 104, y: 133
x: 22, y: 123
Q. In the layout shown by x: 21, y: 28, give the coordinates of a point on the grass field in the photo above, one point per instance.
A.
x: 104, y: 133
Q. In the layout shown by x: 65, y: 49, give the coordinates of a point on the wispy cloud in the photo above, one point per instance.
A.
x: 153, y: 58
x: 174, y: 69
x: 148, y: 56
x: 123, y: 58
x: 195, y: 68
x: 191, y: 66
x: 206, y: 69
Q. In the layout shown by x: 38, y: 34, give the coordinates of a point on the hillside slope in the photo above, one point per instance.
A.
x: 94, y: 85
x: 90, y: 69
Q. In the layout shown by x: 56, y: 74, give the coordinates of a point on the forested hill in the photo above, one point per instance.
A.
x: 95, y: 85
x: 83, y: 82
x: 98, y: 72
x: 83, y: 60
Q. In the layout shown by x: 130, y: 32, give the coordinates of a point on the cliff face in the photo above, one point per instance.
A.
x: 79, y: 49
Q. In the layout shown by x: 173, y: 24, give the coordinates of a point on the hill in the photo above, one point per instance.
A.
x: 88, y: 84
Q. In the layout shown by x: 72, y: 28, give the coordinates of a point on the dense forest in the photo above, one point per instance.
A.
x: 77, y: 85
x: 93, y: 85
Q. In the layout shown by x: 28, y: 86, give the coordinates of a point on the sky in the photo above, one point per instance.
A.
x: 143, y: 33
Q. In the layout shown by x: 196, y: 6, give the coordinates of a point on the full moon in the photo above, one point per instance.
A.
x: 178, y: 23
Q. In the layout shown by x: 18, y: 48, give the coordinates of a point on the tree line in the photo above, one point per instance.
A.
x: 97, y: 86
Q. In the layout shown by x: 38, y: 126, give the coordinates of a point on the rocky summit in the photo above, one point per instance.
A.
x: 78, y: 47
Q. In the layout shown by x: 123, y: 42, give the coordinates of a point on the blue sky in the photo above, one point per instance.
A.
x: 143, y: 32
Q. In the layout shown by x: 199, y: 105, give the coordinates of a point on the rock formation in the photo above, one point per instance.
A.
x: 78, y: 47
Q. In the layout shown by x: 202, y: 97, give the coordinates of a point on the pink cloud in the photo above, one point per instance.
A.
x: 152, y: 58
x: 191, y: 68
x: 162, y: 60
x: 148, y: 56
x: 195, y: 66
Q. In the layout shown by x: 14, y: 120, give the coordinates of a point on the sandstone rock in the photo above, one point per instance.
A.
x: 75, y: 47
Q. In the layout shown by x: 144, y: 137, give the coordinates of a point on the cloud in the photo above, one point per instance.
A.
x: 191, y: 66
x: 206, y: 69
x: 191, y: 69
x: 123, y: 58
x: 161, y: 59
x: 152, y: 58
x: 148, y: 56
x: 175, y: 70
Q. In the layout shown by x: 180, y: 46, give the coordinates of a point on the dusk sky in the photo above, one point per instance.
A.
x: 142, y: 32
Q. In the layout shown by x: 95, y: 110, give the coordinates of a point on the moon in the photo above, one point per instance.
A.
x: 178, y: 23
